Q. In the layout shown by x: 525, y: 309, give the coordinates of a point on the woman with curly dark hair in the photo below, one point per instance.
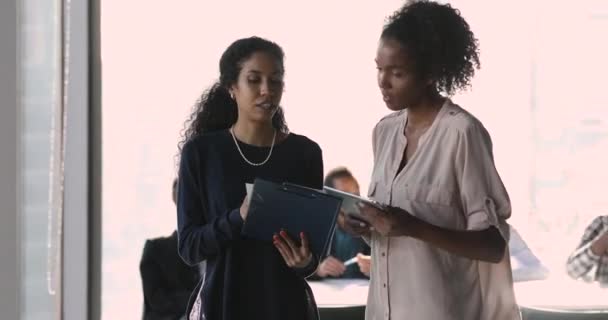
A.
x: 237, y: 133
x: 439, y: 246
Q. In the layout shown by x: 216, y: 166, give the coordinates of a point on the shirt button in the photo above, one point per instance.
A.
x: 383, y: 254
x: 385, y: 285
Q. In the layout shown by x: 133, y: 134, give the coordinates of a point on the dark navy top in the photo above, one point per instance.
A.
x: 245, y: 278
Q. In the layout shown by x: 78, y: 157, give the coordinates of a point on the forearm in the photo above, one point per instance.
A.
x: 582, y: 261
x: 485, y: 245
x: 197, y: 242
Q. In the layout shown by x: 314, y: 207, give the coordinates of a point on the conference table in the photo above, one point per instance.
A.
x: 340, y: 299
x: 554, y: 298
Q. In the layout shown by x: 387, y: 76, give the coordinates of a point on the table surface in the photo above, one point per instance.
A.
x: 340, y: 292
x: 555, y: 293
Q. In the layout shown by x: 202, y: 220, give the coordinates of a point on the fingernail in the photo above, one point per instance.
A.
x: 361, y: 224
x: 301, y: 234
x: 283, y: 233
x: 275, y: 237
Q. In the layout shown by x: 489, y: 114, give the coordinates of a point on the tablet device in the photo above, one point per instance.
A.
x: 349, y: 202
x: 295, y: 209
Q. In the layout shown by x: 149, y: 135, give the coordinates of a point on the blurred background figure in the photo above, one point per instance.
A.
x: 589, y: 261
x: 167, y: 281
x: 344, y: 246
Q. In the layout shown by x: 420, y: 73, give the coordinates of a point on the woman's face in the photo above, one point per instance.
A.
x: 399, y: 83
x: 259, y: 87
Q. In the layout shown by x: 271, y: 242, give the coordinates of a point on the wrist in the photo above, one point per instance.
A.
x: 415, y: 228
x: 306, y: 265
x: 307, y: 261
x: 598, y: 247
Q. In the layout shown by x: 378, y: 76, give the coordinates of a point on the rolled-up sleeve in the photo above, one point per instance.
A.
x: 483, y: 196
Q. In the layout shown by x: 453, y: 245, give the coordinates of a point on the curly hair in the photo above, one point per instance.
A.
x: 442, y: 45
x: 215, y: 109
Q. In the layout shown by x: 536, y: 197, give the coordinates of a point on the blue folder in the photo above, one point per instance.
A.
x: 295, y: 209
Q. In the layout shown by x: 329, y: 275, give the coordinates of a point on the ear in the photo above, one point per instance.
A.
x: 231, y: 92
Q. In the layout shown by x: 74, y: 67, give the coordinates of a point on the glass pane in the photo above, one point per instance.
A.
x: 539, y: 93
x: 570, y: 130
x: 41, y: 170
x: 154, y: 72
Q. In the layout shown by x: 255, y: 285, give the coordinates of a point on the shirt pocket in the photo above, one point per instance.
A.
x: 435, y: 204
x: 431, y: 194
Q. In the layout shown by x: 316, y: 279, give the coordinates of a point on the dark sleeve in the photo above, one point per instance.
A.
x: 201, y: 233
x: 315, y: 171
x: 315, y: 174
x: 156, y: 293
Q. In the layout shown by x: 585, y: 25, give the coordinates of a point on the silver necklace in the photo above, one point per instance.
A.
x: 243, y: 155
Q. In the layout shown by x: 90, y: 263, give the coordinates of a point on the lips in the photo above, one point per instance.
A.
x: 265, y: 105
x: 386, y: 97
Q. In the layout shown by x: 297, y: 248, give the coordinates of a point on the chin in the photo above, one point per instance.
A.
x: 394, y: 107
x: 263, y: 118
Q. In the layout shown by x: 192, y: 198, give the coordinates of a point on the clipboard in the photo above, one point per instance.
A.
x: 295, y: 209
x: 350, y: 202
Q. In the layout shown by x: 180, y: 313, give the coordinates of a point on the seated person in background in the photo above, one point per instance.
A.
x: 524, y: 264
x: 344, y: 246
x: 590, y: 260
x: 167, y: 281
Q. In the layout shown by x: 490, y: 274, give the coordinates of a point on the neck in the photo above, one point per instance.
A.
x: 424, y: 112
x: 257, y: 134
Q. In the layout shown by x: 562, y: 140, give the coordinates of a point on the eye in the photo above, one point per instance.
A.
x: 253, y: 79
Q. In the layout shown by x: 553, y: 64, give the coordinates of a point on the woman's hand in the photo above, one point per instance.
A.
x: 389, y: 222
x: 353, y: 226
x: 295, y: 256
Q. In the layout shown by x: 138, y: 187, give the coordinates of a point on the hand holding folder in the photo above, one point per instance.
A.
x: 274, y: 207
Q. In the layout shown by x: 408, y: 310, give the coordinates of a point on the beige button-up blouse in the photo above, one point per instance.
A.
x: 451, y: 182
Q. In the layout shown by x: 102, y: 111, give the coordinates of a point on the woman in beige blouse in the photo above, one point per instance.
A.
x: 439, y: 248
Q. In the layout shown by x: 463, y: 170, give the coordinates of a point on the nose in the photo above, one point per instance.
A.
x: 383, y: 80
x: 265, y: 88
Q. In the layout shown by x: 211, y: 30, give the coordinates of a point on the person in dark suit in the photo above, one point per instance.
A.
x: 167, y: 280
